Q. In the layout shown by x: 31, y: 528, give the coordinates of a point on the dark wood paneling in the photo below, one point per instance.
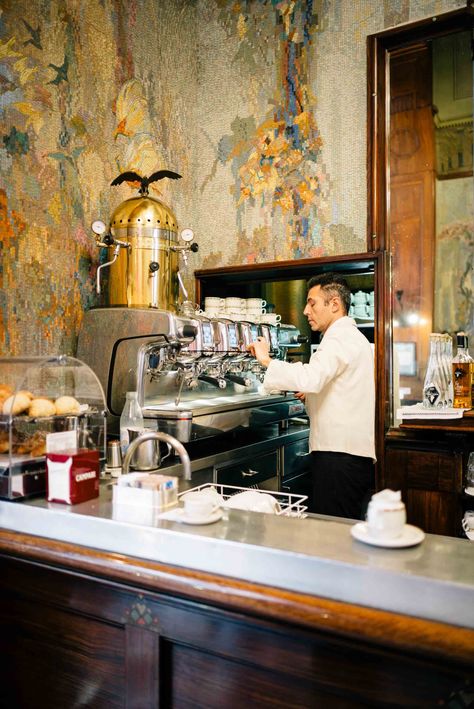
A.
x: 58, y: 658
x: 223, y: 683
x: 72, y: 640
x: 142, y: 667
x: 430, y: 481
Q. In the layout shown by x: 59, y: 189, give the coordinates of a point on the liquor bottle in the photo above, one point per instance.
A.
x: 462, y: 374
x: 131, y: 419
x: 433, y: 386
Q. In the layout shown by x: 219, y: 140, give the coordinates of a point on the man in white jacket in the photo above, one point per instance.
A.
x: 338, y: 388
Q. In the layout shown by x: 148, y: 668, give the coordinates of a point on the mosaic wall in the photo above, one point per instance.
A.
x: 259, y: 104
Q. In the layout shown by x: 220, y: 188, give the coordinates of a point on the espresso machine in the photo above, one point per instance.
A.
x: 193, y: 374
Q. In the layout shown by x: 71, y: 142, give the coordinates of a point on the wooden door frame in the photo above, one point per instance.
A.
x: 379, y: 47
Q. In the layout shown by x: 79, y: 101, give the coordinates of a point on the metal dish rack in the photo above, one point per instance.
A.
x: 290, y: 505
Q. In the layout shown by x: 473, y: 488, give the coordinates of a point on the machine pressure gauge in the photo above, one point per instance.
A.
x: 98, y: 227
x: 187, y: 234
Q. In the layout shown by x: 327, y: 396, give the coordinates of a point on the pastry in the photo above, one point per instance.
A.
x: 4, y: 443
x: 67, y: 405
x: 26, y: 393
x: 16, y: 404
x: 5, y: 392
x: 35, y: 444
x: 41, y: 407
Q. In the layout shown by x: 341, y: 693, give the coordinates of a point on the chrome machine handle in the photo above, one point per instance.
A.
x: 250, y: 473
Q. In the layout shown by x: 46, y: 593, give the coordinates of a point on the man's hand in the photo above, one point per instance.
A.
x: 260, y: 350
x: 299, y: 395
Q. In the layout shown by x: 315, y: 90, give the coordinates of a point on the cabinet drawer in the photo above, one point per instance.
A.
x: 296, y: 458
x: 250, y: 471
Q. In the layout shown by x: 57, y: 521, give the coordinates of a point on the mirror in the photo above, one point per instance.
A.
x: 424, y: 163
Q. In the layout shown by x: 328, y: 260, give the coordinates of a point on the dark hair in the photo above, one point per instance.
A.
x: 332, y: 285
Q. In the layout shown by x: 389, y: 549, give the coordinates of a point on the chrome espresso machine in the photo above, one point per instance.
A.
x: 193, y: 373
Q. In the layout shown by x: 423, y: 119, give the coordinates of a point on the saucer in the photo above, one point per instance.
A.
x: 408, y: 538
x: 181, y: 516
x: 469, y: 490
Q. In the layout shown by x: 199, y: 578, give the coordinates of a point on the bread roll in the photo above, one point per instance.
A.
x: 5, y: 392
x: 67, y: 405
x: 26, y: 393
x: 16, y: 404
x: 41, y: 407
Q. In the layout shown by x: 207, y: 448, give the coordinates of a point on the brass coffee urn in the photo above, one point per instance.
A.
x: 143, y: 237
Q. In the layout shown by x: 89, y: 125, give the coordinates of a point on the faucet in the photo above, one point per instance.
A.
x: 171, y: 440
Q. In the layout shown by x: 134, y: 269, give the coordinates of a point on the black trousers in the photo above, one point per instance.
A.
x: 342, y: 484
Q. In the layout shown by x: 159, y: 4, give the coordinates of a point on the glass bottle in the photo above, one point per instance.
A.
x: 433, y: 384
x: 446, y: 345
x: 130, y: 419
x: 462, y: 373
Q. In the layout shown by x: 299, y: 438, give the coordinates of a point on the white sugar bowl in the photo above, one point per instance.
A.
x: 386, y: 515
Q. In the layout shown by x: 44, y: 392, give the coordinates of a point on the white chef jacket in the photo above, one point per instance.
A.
x: 340, y: 390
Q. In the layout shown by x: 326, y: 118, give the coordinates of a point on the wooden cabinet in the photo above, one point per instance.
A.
x: 86, y: 628
x: 429, y: 474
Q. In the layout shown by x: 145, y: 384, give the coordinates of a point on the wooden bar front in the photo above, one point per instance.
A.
x: 81, y: 627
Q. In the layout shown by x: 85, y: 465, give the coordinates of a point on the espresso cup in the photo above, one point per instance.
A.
x: 360, y: 298
x: 212, y: 312
x: 271, y: 318
x: 255, y: 303
x: 469, y: 519
x: 360, y: 311
x: 198, y: 506
x: 386, y: 519
x: 235, y: 303
x: 213, y: 302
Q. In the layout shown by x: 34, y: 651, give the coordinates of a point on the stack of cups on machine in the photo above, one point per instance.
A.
x: 233, y: 308
x: 362, y: 305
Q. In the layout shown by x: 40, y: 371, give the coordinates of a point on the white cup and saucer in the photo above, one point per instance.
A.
x: 468, y: 524
x: 386, y: 525
x: 201, y: 507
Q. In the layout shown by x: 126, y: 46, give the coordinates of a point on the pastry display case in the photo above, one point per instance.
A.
x: 40, y: 396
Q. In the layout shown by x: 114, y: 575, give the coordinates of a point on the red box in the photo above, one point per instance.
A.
x: 73, y: 475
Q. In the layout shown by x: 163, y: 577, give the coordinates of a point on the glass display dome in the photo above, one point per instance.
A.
x: 41, y: 396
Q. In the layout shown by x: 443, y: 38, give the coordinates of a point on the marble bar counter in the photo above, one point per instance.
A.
x: 253, y: 610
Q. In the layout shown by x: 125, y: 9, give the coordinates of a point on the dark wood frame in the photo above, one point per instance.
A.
x: 379, y: 47
x: 416, y: 453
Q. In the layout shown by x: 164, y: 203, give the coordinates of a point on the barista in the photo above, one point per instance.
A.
x: 338, y: 388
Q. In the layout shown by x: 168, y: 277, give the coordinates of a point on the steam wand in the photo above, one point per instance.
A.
x: 118, y: 245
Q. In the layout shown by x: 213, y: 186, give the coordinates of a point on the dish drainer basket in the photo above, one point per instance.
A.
x: 291, y: 505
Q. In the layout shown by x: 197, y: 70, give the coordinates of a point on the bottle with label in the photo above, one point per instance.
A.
x: 462, y: 373
x: 433, y: 386
x: 130, y: 419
